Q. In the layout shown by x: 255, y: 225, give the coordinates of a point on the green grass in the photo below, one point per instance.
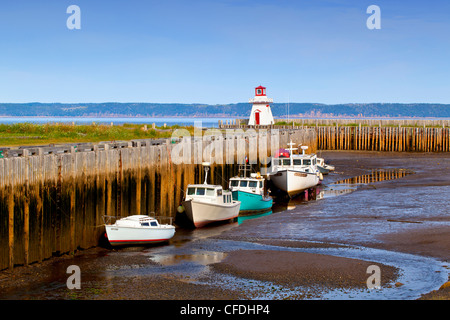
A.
x: 38, y: 134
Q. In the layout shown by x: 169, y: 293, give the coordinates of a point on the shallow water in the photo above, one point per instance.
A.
x: 417, y: 274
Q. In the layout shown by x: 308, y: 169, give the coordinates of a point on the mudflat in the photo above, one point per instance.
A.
x: 406, y: 215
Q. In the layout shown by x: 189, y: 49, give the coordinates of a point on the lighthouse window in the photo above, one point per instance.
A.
x: 259, y: 91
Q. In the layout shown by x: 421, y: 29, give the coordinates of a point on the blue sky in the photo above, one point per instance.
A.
x: 206, y: 51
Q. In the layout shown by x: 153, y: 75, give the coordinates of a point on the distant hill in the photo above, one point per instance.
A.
x: 112, y: 109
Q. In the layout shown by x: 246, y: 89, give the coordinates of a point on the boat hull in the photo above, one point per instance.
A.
x: 294, y: 182
x: 252, y: 202
x: 119, y: 235
x: 201, y: 213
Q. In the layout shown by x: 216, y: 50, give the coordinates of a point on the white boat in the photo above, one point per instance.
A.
x: 207, y: 203
x: 137, y: 229
x: 323, y: 167
x: 294, y: 173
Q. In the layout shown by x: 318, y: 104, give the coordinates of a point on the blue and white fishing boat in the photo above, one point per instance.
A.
x: 250, y: 191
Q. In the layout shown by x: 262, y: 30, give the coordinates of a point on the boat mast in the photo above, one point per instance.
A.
x: 206, y: 165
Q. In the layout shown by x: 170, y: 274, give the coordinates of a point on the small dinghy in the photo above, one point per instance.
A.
x: 137, y: 229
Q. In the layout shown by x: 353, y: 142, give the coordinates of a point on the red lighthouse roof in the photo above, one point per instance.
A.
x: 260, y: 91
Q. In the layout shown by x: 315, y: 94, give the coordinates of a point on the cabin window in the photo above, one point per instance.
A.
x: 243, y: 183
x: 153, y: 224
x: 286, y: 162
x: 219, y: 192
x: 229, y: 198
x: 260, y: 184
x: 210, y: 192
x: 191, y: 191
x: 253, y: 184
x: 307, y: 162
x: 200, y: 191
x: 234, y: 183
x: 314, y: 161
x: 276, y: 162
x: 224, y: 198
x: 297, y: 162
x: 145, y: 224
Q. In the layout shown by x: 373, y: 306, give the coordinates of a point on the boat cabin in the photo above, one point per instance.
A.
x: 253, y: 184
x: 208, y: 193
x: 304, y: 162
x: 137, y: 221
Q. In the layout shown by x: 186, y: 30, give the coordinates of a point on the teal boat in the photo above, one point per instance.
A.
x: 250, y: 191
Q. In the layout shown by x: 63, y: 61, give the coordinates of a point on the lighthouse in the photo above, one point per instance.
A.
x: 261, y: 113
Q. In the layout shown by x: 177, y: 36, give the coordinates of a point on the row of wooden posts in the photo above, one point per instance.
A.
x: 413, y: 139
x: 432, y: 136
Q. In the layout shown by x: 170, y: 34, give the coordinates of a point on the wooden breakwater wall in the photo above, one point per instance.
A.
x: 377, y: 138
x: 52, y: 201
x: 412, y: 135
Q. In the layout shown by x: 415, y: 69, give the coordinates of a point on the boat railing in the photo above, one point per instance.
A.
x: 244, y: 168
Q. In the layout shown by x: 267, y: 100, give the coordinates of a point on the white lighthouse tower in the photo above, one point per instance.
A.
x: 261, y: 113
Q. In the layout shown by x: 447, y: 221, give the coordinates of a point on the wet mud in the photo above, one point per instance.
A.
x: 316, y: 249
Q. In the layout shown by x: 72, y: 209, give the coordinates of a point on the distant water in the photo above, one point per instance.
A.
x: 205, y: 122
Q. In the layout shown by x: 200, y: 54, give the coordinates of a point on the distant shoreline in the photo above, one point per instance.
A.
x: 282, y: 117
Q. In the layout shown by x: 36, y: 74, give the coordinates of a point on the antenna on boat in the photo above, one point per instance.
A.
x: 304, y: 148
x: 290, y: 144
x: 206, y: 165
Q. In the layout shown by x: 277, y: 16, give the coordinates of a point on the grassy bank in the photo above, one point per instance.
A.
x: 38, y: 134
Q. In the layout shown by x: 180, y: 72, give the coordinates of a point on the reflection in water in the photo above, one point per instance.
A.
x: 341, y: 187
x: 334, y: 191
x: 377, y: 175
x: 203, y: 258
x: 242, y: 218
